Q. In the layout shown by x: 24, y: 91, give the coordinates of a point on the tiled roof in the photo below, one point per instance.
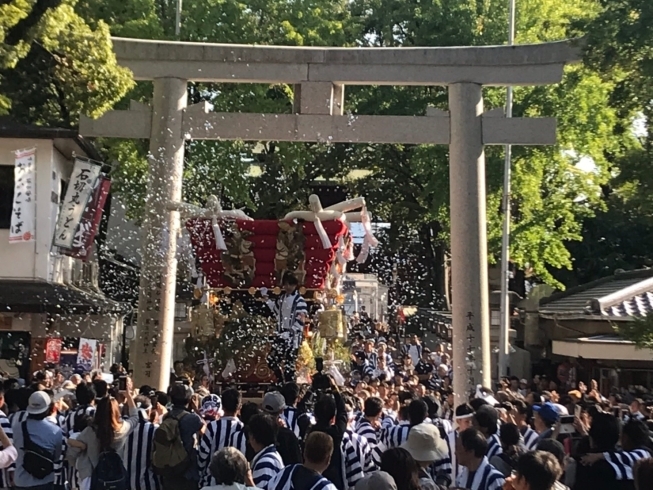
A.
x: 623, y: 295
x: 640, y: 305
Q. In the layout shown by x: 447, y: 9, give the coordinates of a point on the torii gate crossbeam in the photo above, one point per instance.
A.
x: 319, y: 75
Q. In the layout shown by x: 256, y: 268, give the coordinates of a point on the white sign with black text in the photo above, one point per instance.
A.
x: 23, y: 212
x: 79, y: 191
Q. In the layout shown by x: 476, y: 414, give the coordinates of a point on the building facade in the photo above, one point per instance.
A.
x: 45, y: 294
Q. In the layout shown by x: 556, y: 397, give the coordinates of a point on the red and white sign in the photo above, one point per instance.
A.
x: 53, y: 351
x: 86, y: 353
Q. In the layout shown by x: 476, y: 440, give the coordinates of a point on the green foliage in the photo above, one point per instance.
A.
x: 639, y: 331
x: 56, y: 66
x: 619, y: 48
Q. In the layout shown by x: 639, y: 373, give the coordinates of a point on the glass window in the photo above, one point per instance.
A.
x: 6, y: 195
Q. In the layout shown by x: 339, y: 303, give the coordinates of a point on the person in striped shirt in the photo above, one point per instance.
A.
x: 218, y: 433
x: 291, y: 312
x: 635, y: 441
x: 296, y: 420
x: 486, y: 420
x: 415, y: 413
x: 261, y: 433
x: 137, y: 455
x: 520, y: 415
x: 368, y: 425
x: 477, y: 472
x: 308, y: 476
x: 239, y: 437
x: 362, y: 366
x: 362, y: 449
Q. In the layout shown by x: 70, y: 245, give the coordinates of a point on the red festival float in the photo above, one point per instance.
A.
x: 238, y: 256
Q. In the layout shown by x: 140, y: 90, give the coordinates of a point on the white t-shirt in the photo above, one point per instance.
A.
x: 414, y: 354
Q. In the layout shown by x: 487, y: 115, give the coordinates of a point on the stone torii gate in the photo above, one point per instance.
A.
x: 319, y: 76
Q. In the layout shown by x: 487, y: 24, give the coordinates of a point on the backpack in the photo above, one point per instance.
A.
x: 110, y: 472
x: 169, y: 456
x: 38, y: 462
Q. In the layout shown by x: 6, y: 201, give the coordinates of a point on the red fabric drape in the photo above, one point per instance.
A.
x: 264, y: 243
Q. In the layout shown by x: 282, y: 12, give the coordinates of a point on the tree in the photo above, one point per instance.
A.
x: 53, y: 66
x: 408, y: 186
x: 618, y: 49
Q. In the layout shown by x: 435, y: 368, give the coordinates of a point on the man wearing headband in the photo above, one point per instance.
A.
x: 463, y: 419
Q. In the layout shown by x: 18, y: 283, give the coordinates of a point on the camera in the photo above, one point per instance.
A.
x: 321, y: 381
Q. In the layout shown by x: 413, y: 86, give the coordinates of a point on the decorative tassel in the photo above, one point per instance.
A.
x: 219, y: 239
x: 367, y: 226
x: 365, y: 251
x: 349, y: 251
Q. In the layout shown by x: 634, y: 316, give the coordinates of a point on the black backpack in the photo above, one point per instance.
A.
x: 38, y: 462
x: 110, y: 472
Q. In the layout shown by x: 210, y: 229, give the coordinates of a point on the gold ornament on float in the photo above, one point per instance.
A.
x: 340, y: 299
x: 302, y: 290
x: 276, y: 290
x: 329, y: 322
x: 204, y: 325
x: 252, y: 290
x: 227, y: 290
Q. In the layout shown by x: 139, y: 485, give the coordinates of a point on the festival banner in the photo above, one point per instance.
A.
x: 53, y: 350
x: 23, y: 212
x: 90, y: 222
x: 80, y: 190
x: 86, y: 353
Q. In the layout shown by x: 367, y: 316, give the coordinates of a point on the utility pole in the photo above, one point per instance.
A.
x: 178, y: 19
x: 504, y: 335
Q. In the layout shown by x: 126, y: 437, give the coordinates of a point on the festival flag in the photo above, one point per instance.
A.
x: 90, y: 222
x: 80, y: 190
x: 86, y: 353
x: 23, y: 212
x: 53, y: 350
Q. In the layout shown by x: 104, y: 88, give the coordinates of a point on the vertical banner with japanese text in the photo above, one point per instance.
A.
x: 80, y: 190
x: 90, y: 222
x: 86, y: 353
x: 23, y: 212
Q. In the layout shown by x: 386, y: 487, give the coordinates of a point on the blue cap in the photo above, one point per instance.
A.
x: 548, y: 412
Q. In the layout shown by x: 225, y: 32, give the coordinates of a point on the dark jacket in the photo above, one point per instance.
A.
x: 336, y: 431
x: 288, y: 447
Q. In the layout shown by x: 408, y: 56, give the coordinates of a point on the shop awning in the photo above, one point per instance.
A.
x: 601, y: 347
x: 34, y: 296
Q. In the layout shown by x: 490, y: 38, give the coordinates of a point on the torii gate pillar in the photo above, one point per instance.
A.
x: 156, y: 300
x: 469, y: 281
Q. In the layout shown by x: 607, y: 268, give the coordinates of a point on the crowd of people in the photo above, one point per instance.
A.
x: 390, y: 425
